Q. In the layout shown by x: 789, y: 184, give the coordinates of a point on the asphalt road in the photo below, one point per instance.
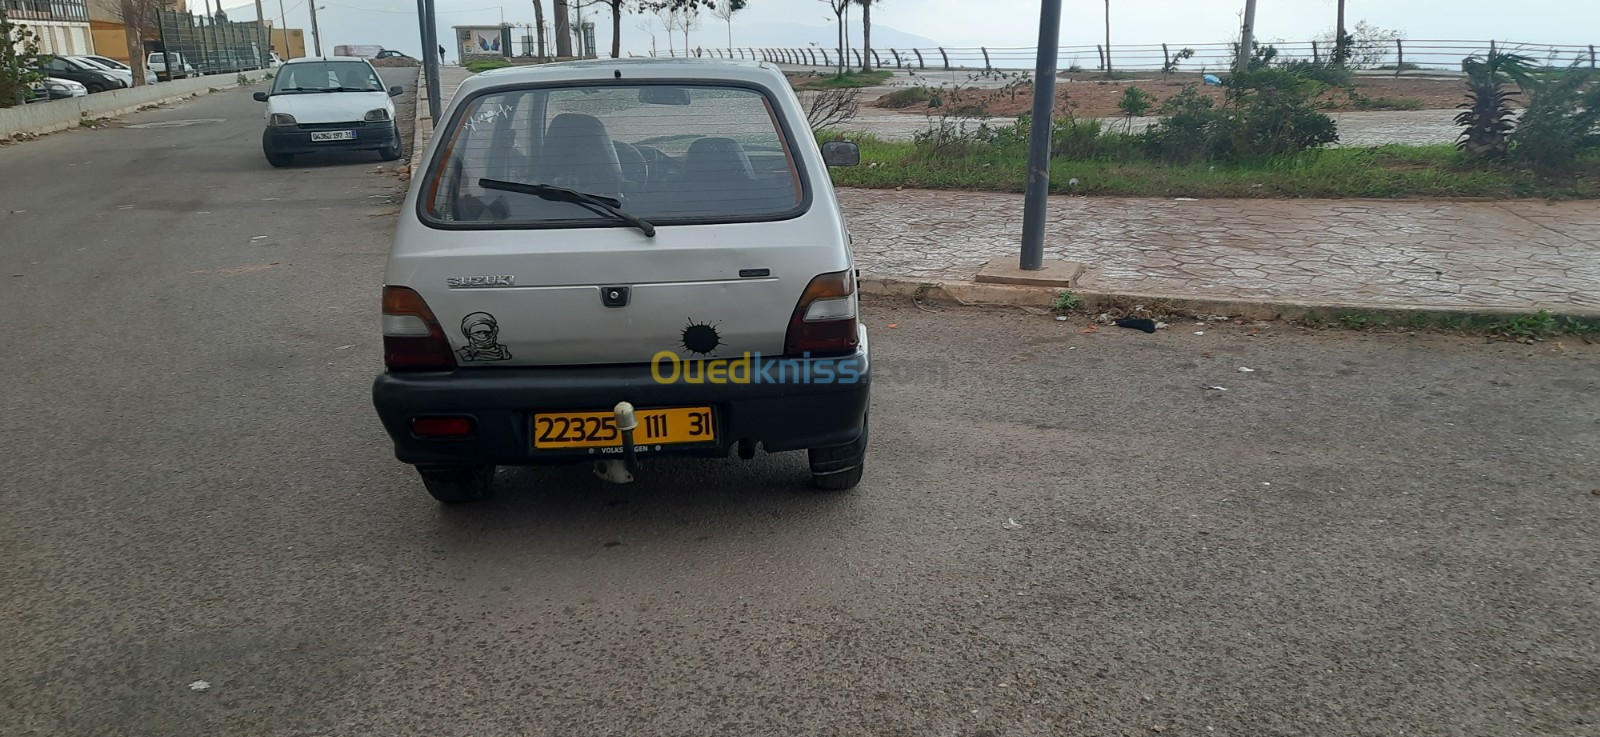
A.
x: 1366, y: 535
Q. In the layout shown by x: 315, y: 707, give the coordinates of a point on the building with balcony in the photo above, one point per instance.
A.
x: 61, y: 27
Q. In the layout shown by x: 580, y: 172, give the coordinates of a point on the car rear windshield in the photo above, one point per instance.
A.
x: 326, y: 76
x: 662, y: 152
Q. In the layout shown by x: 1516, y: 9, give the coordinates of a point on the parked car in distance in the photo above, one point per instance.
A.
x: 126, y: 75
x: 53, y: 88
x: 599, y: 262
x: 391, y: 54
x: 157, y: 62
x: 328, y: 104
x: 106, y: 61
x: 93, y: 77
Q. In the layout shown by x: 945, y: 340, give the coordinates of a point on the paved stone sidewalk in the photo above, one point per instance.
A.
x: 1521, y: 255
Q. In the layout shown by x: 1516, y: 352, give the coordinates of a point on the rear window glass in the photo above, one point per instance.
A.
x: 661, y: 152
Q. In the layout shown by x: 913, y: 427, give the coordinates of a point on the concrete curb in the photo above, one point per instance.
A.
x: 418, y: 110
x: 973, y: 294
x: 48, y: 117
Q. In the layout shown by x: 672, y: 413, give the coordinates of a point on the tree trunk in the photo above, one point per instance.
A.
x: 132, y: 34
x: 616, y: 29
x: 563, y: 29
x: 1338, y: 38
x: 866, y: 35
x: 839, y: 15
x: 538, y: 19
x: 1108, y: 38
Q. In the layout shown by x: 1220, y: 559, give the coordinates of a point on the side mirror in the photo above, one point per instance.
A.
x: 396, y: 91
x: 260, y: 96
x: 841, y: 153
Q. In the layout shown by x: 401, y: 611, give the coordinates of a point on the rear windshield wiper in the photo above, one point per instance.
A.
x: 609, y: 205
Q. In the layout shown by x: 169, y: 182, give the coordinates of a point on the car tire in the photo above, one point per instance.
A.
x: 391, y: 153
x: 96, y: 87
x: 839, y: 468
x: 459, y: 485
x: 839, y: 480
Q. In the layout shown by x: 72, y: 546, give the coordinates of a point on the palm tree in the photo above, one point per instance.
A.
x: 538, y: 19
x: 866, y: 34
x: 1340, y: 40
x: 1487, y: 119
x: 1108, y: 38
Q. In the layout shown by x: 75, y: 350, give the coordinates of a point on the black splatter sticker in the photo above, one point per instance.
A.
x: 701, y: 338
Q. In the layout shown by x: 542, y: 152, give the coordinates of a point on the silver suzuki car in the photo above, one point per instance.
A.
x: 606, y: 261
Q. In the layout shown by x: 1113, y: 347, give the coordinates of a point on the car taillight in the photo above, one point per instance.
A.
x: 824, y: 322
x: 412, y: 338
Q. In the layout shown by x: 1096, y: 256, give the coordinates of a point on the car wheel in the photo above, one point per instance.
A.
x: 390, y: 153
x: 95, y: 87
x: 839, y: 468
x: 839, y: 480
x: 461, y: 485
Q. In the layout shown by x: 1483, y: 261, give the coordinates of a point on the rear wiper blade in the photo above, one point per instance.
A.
x: 609, y: 205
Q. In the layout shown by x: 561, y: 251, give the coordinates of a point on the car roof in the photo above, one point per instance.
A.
x: 711, y: 70
x: 310, y: 59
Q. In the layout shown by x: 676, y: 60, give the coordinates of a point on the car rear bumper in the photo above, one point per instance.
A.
x: 297, y: 141
x: 501, y: 403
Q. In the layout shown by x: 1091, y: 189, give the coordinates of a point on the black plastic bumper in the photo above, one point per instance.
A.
x: 287, y: 140
x: 502, y: 401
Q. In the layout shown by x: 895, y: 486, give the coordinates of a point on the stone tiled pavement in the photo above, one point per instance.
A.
x: 1425, y: 254
x: 1519, y: 255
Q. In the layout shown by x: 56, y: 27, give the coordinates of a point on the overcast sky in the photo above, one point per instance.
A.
x: 1009, y: 22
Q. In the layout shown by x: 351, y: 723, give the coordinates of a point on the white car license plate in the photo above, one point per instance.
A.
x: 333, y: 135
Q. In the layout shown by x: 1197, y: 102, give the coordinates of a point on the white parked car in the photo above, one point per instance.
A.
x: 110, y: 63
x: 606, y: 260
x: 52, y: 88
x: 157, y: 62
x: 328, y: 104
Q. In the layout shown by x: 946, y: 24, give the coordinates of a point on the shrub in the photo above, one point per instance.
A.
x: 1562, y: 121
x: 1135, y: 102
x: 908, y: 97
x: 1269, y: 111
x: 1487, y: 119
x: 1277, y: 112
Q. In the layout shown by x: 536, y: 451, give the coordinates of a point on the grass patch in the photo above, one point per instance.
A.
x: 1519, y: 328
x: 1382, y: 172
x: 846, y: 80
x: 1065, y: 302
x: 484, y: 65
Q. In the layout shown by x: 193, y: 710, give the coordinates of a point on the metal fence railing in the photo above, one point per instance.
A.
x: 212, y: 46
x: 1398, y: 55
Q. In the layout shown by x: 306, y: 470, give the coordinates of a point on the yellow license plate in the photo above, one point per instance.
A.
x: 566, y: 430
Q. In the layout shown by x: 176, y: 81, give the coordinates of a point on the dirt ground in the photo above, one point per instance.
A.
x: 1098, y: 98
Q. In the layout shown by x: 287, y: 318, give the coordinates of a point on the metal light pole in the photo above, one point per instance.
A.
x: 1247, y: 38
x: 283, y: 32
x: 316, y: 34
x: 430, y: 56
x: 261, y: 20
x: 1044, y: 105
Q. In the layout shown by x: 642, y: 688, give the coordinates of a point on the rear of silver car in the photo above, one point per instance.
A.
x: 596, y: 236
